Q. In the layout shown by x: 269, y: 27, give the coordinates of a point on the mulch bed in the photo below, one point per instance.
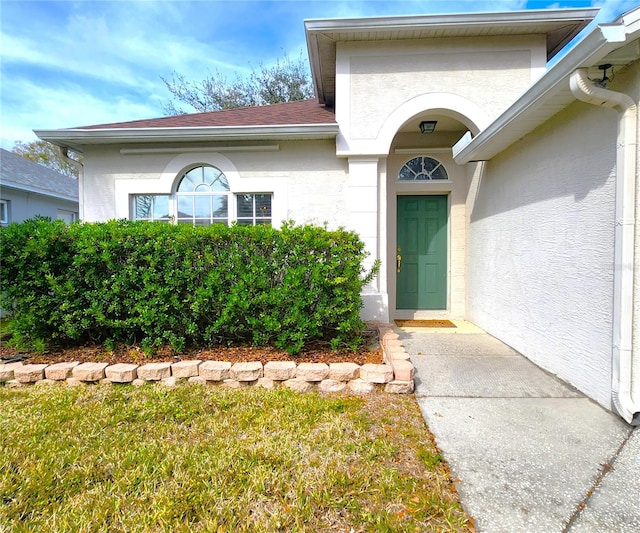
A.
x: 315, y: 353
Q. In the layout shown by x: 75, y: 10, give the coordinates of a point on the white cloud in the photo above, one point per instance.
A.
x: 65, y: 107
x: 72, y: 63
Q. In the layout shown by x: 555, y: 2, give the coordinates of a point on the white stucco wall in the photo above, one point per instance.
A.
x: 307, y: 180
x: 375, y: 79
x: 540, y: 248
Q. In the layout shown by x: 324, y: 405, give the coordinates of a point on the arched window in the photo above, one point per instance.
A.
x: 203, y: 197
x: 422, y: 168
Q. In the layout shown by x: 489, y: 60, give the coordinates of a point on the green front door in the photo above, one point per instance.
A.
x: 421, y: 256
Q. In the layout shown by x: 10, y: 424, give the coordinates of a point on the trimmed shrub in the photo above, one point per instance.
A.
x: 158, y: 284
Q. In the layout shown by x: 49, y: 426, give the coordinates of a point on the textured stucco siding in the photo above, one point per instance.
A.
x: 376, y: 79
x: 307, y: 180
x: 540, y: 248
x: 405, y: 77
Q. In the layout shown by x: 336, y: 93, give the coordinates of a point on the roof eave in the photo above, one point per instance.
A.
x: 394, y: 23
x: 50, y: 194
x: 78, y: 137
x: 601, y: 41
x: 321, y: 32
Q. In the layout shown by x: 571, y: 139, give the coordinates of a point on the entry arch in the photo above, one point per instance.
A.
x: 458, y: 107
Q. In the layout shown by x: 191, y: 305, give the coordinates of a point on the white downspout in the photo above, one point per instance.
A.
x: 78, y: 165
x: 626, y: 367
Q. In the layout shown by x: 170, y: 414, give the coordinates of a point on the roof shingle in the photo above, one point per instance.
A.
x: 19, y: 172
x: 283, y: 114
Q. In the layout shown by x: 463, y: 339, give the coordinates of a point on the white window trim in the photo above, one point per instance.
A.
x: 7, y: 214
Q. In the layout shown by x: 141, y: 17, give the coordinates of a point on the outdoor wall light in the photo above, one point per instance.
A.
x: 605, y: 79
x: 428, y: 126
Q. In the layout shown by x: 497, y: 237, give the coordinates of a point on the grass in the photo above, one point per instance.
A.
x: 196, y: 458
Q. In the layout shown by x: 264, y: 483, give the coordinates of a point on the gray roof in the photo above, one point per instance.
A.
x: 20, y: 173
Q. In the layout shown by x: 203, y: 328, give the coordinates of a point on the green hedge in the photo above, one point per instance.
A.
x: 157, y: 284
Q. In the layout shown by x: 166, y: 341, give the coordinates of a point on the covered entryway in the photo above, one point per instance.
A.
x: 426, y: 202
x: 421, y: 259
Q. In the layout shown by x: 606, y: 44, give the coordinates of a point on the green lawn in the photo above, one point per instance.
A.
x: 196, y: 458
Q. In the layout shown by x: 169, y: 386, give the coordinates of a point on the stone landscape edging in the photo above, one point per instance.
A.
x: 395, y: 375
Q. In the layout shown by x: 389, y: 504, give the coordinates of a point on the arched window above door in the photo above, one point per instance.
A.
x: 422, y: 168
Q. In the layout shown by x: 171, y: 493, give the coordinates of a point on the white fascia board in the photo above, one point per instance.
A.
x: 314, y: 63
x: 452, y: 20
x: 76, y: 138
x: 498, y: 135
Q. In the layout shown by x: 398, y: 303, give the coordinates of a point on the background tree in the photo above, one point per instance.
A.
x: 285, y: 81
x: 46, y: 154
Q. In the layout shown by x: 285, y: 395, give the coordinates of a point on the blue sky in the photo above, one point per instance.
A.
x: 72, y: 63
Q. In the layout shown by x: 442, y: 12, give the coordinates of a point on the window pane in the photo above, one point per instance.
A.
x: 245, y: 205
x: 439, y: 174
x: 185, y: 206
x: 161, y: 207
x: 406, y: 174
x: 263, y: 205
x: 151, y: 207
x: 202, y: 206
x: 209, y: 175
x: 221, y: 184
x: 190, y: 180
x: 244, y: 222
x: 220, y: 206
x: 142, y: 204
x: 422, y: 168
x: 415, y: 165
x: 429, y: 164
x: 254, y: 208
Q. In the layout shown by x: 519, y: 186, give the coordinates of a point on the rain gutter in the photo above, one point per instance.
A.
x: 64, y: 150
x: 76, y: 138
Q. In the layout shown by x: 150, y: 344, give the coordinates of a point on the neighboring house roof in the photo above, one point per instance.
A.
x: 559, y: 26
x: 305, y: 119
x: 616, y: 43
x: 20, y: 173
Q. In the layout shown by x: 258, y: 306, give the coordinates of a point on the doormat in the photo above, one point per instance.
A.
x: 425, y: 324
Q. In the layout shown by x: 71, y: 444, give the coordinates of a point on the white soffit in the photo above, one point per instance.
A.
x: 608, y: 43
x: 560, y: 26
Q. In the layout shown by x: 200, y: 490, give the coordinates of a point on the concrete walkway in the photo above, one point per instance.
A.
x: 528, y: 452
